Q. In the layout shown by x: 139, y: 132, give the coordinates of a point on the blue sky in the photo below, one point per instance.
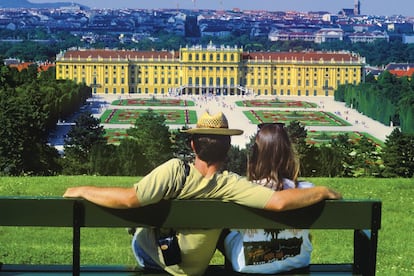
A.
x: 371, y: 7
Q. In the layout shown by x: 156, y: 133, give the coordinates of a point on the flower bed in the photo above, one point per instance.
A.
x: 153, y: 102
x: 129, y: 116
x: 276, y: 103
x: 307, y: 118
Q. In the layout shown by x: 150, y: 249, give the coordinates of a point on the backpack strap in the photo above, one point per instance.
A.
x: 186, y: 170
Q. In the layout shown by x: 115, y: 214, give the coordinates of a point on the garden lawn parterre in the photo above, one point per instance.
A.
x: 153, y: 102
x: 320, y: 137
x: 307, y: 118
x: 276, y: 104
x: 129, y: 116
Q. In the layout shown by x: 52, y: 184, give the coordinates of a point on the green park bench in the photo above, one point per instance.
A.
x: 362, y: 216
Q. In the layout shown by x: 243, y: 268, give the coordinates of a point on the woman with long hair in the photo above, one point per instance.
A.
x: 273, y: 163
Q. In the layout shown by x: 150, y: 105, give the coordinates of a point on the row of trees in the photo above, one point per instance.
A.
x: 389, y: 100
x: 30, y: 107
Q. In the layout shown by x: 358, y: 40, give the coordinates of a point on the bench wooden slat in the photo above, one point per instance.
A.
x: 36, y: 211
x: 187, y: 214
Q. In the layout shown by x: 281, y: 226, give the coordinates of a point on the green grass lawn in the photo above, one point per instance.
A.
x: 112, y: 246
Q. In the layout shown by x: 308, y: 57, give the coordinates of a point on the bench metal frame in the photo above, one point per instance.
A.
x: 362, y: 216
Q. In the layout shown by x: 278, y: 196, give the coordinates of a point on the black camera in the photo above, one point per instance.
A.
x: 170, y: 249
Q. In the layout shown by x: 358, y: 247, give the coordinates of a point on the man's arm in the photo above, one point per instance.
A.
x: 113, y: 197
x: 298, y: 198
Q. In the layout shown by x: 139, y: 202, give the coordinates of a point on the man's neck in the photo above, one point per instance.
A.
x: 206, y: 170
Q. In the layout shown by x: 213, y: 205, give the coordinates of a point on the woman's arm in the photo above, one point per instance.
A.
x: 113, y: 197
x: 298, y: 198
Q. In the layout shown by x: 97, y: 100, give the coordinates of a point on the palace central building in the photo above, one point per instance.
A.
x: 219, y: 70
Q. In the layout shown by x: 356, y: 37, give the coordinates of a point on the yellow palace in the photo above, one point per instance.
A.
x: 218, y: 70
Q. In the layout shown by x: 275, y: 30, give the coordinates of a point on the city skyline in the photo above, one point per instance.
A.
x: 368, y: 7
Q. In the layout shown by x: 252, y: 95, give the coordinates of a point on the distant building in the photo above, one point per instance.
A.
x: 356, y: 10
x: 408, y: 39
x: 400, y: 27
x: 287, y: 36
x: 401, y: 69
x: 329, y: 34
x: 346, y: 12
x: 216, y: 31
x: 368, y: 37
x: 357, y: 7
x: 217, y: 70
x: 25, y: 65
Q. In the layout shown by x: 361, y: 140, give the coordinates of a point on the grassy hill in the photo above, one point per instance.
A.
x: 112, y: 246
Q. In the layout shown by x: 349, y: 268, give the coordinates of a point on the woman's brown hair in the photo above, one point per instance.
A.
x: 272, y: 156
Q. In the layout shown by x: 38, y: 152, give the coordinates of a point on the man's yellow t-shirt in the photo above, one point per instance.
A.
x: 197, y: 246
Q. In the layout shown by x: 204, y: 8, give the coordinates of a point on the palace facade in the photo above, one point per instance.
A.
x: 211, y: 69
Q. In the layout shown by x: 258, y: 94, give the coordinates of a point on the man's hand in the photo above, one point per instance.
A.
x: 73, y: 192
x: 332, y: 194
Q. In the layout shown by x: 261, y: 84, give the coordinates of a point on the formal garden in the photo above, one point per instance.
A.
x: 185, y: 117
x: 307, y: 118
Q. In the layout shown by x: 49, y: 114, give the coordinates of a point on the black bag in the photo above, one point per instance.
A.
x: 170, y: 249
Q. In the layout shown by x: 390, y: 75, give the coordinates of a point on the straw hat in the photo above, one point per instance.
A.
x: 213, y: 124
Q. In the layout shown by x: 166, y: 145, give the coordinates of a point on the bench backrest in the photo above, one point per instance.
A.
x: 60, y: 212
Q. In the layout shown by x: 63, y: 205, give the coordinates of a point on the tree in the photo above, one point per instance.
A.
x: 398, y: 155
x: 103, y: 160
x: 152, y: 134
x: 86, y: 134
x: 23, y: 147
x: 130, y: 158
x: 343, y: 146
x: 298, y: 134
x: 366, y: 157
x: 236, y: 160
x: 327, y: 161
x: 181, y: 144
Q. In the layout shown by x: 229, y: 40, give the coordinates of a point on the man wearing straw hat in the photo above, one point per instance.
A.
x: 210, y: 142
